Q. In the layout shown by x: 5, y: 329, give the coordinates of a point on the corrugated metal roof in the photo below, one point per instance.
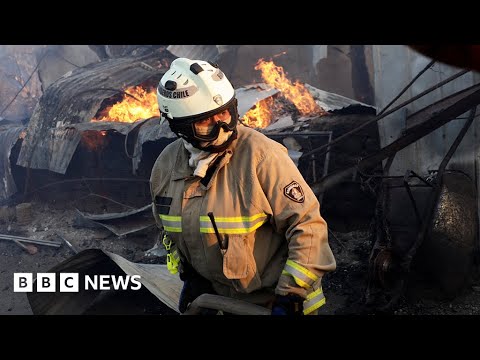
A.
x: 68, y: 105
x: 249, y: 95
x: 64, y: 140
x: 75, y: 99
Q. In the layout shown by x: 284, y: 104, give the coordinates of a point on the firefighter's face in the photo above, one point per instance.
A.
x: 204, y: 127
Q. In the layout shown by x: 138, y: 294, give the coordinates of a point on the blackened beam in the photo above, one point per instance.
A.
x: 385, y: 113
x: 421, y: 123
x: 426, y: 121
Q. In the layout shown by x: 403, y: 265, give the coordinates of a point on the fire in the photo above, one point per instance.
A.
x: 139, y: 104
x: 296, y: 93
x: 94, y: 140
x: 261, y: 115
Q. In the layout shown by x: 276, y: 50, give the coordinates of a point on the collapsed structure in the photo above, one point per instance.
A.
x: 419, y: 199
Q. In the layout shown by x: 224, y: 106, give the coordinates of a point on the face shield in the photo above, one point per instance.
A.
x: 206, y: 127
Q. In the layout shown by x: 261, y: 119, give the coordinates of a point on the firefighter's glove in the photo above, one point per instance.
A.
x: 287, y: 305
x: 194, y: 285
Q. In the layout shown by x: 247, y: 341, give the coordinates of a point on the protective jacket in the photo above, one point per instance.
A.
x: 272, y: 238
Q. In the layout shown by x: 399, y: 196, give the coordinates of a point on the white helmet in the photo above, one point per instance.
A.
x: 190, y: 93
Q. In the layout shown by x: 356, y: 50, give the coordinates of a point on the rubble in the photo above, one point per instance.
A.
x: 63, y: 128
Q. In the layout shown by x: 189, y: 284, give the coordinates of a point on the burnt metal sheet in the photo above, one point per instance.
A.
x: 249, y: 95
x: 59, y: 145
x: 155, y: 278
x: 138, y: 132
x: 332, y: 102
x: 124, y: 223
x: 62, y: 142
x: 9, y: 136
x: 76, y: 97
x: 121, y: 127
x: 150, y: 130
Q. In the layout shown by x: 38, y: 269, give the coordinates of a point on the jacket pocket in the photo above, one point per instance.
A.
x: 239, y: 264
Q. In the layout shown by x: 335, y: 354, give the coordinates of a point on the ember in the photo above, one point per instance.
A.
x: 139, y: 104
x: 94, y: 140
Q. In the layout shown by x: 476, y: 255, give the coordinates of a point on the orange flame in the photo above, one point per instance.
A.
x: 261, y: 115
x: 296, y: 93
x: 142, y: 104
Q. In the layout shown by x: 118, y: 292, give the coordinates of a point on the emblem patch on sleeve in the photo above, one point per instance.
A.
x: 294, y: 192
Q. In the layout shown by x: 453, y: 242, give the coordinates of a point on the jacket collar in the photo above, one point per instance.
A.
x: 182, y: 170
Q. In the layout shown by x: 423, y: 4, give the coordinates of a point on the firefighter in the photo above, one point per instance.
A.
x: 238, y: 217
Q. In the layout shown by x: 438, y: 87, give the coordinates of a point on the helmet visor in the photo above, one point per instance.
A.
x: 206, y: 127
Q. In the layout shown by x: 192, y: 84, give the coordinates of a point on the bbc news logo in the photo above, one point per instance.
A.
x: 69, y: 282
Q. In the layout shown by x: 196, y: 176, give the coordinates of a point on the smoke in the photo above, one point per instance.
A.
x: 17, y: 97
x: 27, y: 70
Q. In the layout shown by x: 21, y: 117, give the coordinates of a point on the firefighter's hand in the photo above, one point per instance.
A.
x: 287, y: 305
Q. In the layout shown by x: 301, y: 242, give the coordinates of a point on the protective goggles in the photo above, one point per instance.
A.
x: 206, y: 126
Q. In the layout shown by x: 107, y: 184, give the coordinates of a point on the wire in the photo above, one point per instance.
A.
x: 26, y: 82
x: 55, y: 52
x: 429, y: 65
x: 377, y: 118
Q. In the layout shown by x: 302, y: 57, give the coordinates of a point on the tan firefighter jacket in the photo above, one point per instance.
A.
x: 268, y: 218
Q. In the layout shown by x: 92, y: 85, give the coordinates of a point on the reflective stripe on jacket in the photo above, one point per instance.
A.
x: 265, y: 213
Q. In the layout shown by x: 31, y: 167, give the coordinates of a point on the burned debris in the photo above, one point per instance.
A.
x: 81, y: 149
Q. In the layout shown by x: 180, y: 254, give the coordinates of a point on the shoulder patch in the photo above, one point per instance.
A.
x: 294, y: 192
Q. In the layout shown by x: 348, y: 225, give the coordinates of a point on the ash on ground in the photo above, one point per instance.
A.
x: 343, y: 288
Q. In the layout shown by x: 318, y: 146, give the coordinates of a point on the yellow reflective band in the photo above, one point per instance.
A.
x: 232, y: 225
x: 172, y: 229
x: 171, y: 223
x: 234, y: 218
x: 313, y: 301
x: 211, y: 230
x: 170, y: 217
x: 303, y: 277
x: 297, y: 280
